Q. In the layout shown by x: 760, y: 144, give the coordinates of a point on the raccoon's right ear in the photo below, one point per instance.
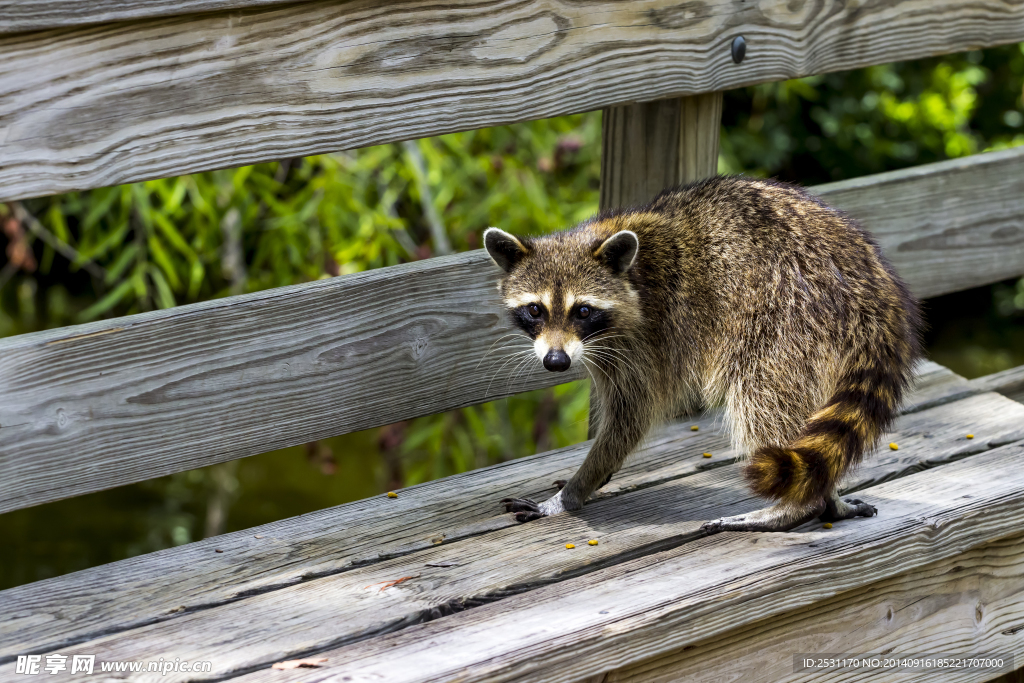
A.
x: 619, y: 250
x: 503, y: 248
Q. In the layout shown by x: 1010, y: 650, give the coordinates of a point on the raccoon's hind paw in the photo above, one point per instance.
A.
x: 775, y: 518
x: 848, y: 508
x: 526, y: 510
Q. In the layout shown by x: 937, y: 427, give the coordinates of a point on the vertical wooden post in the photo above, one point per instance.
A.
x: 649, y: 146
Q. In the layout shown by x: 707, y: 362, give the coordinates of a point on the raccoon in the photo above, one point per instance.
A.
x: 747, y: 293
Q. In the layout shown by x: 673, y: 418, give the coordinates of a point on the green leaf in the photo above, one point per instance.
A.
x: 166, y: 227
x: 124, y: 259
x: 163, y: 259
x: 122, y: 291
x: 104, y: 199
x: 195, y: 281
x: 164, y: 296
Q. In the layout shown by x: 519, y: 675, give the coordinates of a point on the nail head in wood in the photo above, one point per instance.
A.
x: 739, y: 49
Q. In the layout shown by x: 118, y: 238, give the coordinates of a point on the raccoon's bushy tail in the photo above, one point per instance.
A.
x: 865, y: 402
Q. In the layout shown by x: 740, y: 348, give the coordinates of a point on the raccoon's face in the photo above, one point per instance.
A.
x: 566, y: 290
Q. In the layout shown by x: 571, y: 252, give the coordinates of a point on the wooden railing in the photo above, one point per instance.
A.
x: 127, y: 93
x: 122, y: 92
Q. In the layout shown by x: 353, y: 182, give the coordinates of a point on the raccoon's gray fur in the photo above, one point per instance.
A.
x: 748, y: 293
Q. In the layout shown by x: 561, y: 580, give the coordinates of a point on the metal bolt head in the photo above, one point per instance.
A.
x: 739, y: 49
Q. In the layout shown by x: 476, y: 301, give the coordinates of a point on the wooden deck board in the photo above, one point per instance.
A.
x: 1009, y: 383
x: 633, y: 611
x: 961, y: 604
x: 512, y: 559
x: 65, y: 610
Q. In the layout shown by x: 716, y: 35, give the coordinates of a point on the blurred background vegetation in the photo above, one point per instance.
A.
x: 115, y: 251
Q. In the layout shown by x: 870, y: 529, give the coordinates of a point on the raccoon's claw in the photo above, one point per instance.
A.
x: 526, y: 510
x: 847, y: 508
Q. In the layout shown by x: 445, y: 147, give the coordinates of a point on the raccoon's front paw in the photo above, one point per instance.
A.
x: 526, y: 510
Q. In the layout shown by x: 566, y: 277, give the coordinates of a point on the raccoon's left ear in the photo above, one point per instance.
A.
x: 503, y: 248
x: 619, y: 250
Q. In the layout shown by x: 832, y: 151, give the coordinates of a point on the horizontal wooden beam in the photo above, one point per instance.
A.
x: 947, y: 226
x: 18, y: 16
x: 124, y: 101
x: 113, y: 402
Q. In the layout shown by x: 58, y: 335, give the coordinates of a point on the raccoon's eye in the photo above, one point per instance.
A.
x: 584, y: 311
x: 533, y: 310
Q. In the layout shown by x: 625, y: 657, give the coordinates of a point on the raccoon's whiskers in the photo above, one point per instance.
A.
x: 587, y: 364
x: 612, y: 356
x: 514, y: 374
x: 491, y: 349
x: 515, y: 356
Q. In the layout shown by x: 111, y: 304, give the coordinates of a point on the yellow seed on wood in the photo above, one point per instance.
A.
x: 707, y: 455
x: 970, y: 436
x: 392, y: 494
x: 894, y: 446
x: 694, y: 428
x: 591, y: 542
x: 827, y: 525
x: 570, y: 546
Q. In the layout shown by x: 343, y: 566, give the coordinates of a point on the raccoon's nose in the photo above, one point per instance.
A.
x: 557, y: 361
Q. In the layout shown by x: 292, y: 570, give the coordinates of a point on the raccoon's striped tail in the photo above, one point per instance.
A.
x: 835, y: 438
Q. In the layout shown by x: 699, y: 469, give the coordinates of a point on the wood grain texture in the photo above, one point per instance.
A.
x: 636, y: 610
x: 1009, y: 383
x: 649, y: 146
x: 65, y: 610
x: 651, y: 510
x: 100, y: 105
x: 18, y: 16
x: 947, y: 226
x: 962, y: 604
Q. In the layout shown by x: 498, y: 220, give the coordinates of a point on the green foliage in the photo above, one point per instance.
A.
x: 844, y: 125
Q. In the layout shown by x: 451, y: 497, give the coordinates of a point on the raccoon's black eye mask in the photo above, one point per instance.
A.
x: 527, y: 321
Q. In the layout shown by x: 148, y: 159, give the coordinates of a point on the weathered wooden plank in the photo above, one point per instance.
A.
x: 962, y: 604
x: 100, y: 105
x: 66, y: 610
x: 934, y: 385
x: 948, y: 226
x: 636, y: 610
x: 649, y: 146
x: 17, y: 16
x: 508, y: 558
x: 1009, y: 383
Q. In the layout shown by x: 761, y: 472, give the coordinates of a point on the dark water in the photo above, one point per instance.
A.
x: 968, y: 334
